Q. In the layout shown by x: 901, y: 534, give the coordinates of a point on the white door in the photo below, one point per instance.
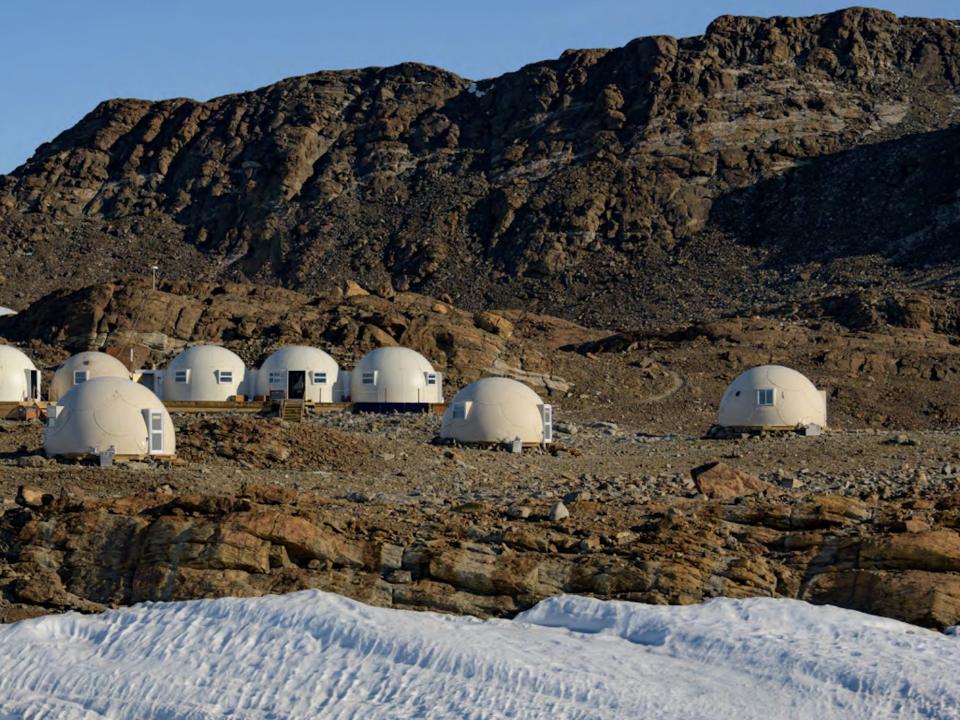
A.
x: 156, y: 431
x: 547, y: 412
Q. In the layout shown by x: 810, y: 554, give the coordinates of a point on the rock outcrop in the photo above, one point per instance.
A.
x: 606, y: 184
x: 143, y: 325
x: 87, y: 554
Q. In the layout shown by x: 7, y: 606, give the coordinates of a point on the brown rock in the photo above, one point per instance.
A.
x: 915, y: 596
x: 352, y: 289
x: 32, y: 497
x: 719, y: 481
x: 302, y: 539
x: 507, y: 574
x: 934, y: 550
x: 492, y: 322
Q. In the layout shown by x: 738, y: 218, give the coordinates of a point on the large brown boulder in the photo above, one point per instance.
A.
x: 719, y: 481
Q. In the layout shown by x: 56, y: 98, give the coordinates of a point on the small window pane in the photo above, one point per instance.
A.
x: 459, y: 411
x: 368, y: 378
x: 765, y: 396
x: 276, y: 377
x: 431, y: 378
x: 319, y: 378
x: 225, y: 376
x: 180, y: 376
x: 79, y: 376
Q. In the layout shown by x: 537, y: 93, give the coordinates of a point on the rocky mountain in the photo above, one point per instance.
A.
x: 766, y: 161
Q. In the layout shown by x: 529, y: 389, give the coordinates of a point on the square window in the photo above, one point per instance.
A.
x: 224, y: 376
x: 276, y: 377
x: 459, y: 411
x: 180, y: 376
x: 431, y: 378
x: 79, y: 376
x: 319, y: 378
x: 765, y: 396
x: 368, y: 378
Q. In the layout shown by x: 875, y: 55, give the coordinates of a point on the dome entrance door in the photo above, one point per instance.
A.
x: 33, y: 384
x: 296, y: 384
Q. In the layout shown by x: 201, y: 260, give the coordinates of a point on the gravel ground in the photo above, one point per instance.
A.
x: 394, y: 459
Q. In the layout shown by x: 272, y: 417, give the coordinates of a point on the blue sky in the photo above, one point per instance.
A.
x: 64, y: 56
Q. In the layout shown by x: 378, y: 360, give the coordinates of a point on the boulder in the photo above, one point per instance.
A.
x: 719, y: 481
x: 31, y: 497
x: 494, y: 323
x: 352, y: 289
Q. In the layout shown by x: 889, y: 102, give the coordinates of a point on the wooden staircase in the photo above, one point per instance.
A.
x: 292, y: 410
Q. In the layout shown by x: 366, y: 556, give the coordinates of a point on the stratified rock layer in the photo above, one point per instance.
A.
x: 86, y: 554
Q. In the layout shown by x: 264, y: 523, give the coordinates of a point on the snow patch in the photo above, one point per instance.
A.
x: 315, y: 654
x: 474, y: 90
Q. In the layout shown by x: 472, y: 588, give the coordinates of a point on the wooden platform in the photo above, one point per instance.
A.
x: 247, y: 406
x: 189, y: 406
x: 32, y: 410
x: 436, y: 408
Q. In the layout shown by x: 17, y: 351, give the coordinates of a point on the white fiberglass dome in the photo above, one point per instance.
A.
x: 497, y: 410
x: 204, y: 373
x: 395, y: 375
x: 772, y: 396
x: 300, y: 372
x: 5, y: 311
x: 19, y: 379
x: 109, y: 412
x: 85, y: 366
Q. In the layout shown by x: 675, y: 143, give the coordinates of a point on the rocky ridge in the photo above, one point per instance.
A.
x: 895, y: 558
x: 796, y: 157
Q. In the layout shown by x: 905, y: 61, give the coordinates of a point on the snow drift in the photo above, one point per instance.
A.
x: 314, y: 654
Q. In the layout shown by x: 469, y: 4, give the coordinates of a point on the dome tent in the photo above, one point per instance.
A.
x: 204, y: 373
x: 395, y: 378
x: 85, y: 366
x: 300, y: 372
x: 497, y: 410
x: 19, y: 377
x: 772, y: 397
x: 105, y: 413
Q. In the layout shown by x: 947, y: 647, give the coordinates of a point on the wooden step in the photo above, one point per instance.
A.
x: 292, y: 410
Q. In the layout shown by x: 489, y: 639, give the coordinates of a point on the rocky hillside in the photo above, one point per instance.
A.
x: 144, y: 326
x: 885, y: 359
x: 795, y: 157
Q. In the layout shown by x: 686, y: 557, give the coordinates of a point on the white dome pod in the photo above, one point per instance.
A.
x: 772, y: 397
x: 105, y: 413
x: 85, y: 366
x: 5, y: 311
x: 395, y: 376
x: 300, y: 373
x: 497, y: 410
x: 204, y: 373
x: 19, y: 377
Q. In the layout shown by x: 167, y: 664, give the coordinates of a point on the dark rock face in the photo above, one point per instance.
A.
x: 650, y: 179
